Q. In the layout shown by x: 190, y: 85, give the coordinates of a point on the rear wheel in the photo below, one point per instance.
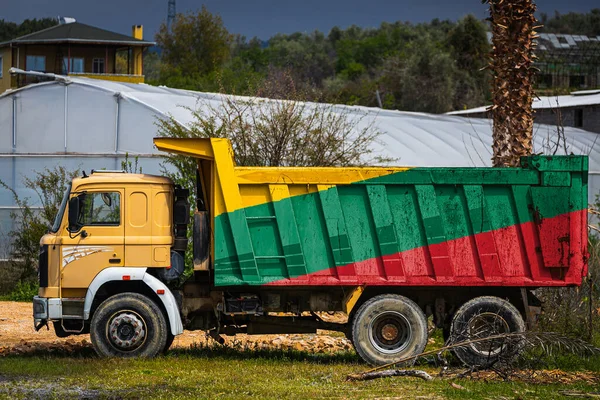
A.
x: 482, y: 317
x: 388, y: 328
x: 128, y: 325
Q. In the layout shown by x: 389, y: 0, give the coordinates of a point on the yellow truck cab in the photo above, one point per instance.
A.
x: 121, y: 226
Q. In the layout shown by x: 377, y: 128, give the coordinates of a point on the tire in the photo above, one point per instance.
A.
x: 481, y: 317
x: 170, y: 338
x: 388, y: 328
x: 128, y: 325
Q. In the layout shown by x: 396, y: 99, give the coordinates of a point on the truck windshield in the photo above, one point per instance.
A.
x: 61, y: 210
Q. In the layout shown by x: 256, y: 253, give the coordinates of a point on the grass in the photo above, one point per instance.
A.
x: 233, y: 373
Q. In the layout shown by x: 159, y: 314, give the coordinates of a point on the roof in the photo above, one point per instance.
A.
x: 76, y: 32
x: 560, y: 41
x: 92, y: 139
x: 121, y: 177
x: 410, y: 138
x: 576, y: 99
x: 549, y: 41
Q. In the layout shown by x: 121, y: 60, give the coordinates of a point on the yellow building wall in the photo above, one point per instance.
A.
x: 5, y: 80
x: 54, y: 53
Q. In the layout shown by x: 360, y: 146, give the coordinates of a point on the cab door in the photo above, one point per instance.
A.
x: 99, y: 243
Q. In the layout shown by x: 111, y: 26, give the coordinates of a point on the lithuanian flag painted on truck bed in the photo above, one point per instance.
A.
x: 394, y: 226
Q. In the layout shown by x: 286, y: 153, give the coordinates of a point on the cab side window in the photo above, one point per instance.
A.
x: 101, y: 209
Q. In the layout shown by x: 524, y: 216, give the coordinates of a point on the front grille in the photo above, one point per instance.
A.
x: 43, y: 266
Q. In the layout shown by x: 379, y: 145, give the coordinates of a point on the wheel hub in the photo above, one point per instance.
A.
x: 390, y: 332
x: 126, y: 331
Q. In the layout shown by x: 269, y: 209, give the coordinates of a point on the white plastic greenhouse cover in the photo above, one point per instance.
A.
x: 87, y: 123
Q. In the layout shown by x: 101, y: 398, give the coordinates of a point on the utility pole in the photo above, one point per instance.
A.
x: 171, y: 14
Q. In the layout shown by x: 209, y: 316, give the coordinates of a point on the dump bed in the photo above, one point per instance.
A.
x: 522, y: 226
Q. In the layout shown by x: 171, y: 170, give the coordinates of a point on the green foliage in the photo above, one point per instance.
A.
x: 131, y: 167
x: 12, y: 30
x: 438, y: 63
x: 23, y: 291
x: 432, y: 67
x: 152, y: 64
x: 572, y: 23
x: 197, y: 44
x: 33, y: 222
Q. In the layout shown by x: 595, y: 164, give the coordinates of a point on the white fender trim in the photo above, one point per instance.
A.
x: 135, y: 274
x: 107, y: 275
x: 168, y: 301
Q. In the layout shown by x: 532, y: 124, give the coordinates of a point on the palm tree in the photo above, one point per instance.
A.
x: 513, y: 34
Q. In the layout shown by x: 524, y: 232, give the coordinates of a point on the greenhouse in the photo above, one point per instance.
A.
x: 89, y: 124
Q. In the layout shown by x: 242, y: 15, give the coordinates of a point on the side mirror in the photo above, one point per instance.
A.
x: 73, y: 214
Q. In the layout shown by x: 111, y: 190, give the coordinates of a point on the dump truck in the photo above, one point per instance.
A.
x: 134, y: 260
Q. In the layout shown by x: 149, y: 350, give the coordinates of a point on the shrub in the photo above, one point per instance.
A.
x: 32, y: 222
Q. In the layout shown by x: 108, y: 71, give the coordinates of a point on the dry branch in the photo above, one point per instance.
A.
x: 581, y: 395
x: 593, y: 211
x: 547, y: 341
x: 417, y: 373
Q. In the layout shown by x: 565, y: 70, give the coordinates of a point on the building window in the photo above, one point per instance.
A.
x: 98, y: 66
x: 576, y: 81
x: 578, y: 118
x: 76, y: 65
x: 36, y: 63
x: 544, y: 81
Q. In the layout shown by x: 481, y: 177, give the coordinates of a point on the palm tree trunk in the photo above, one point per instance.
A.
x: 513, y: 24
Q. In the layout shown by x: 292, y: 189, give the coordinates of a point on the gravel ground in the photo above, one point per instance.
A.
x: 17, y: 335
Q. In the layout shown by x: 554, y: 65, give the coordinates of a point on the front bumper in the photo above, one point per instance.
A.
x: 40, y: 312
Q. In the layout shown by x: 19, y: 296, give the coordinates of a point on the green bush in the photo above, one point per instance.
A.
x: 31, y: 223
x: 24, y: 291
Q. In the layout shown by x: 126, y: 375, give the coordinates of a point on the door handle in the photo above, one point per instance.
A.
x: 114, y: 260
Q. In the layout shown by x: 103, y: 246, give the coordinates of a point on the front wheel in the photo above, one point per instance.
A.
x: 128, y: 325
x: 388, y: 328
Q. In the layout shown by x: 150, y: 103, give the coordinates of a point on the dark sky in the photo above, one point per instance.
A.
x: 263, y: 18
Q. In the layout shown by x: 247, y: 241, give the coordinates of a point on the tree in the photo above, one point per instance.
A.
x: 197, y: 44
x: 11, y: 30
x: 573, y: 23
x: 470, y: 48
x: 513, y: 24
x: 268, y: 132
x: 151, y: 66
x: 421, y: 81
x: 49, y: 186
x: 307, y: 56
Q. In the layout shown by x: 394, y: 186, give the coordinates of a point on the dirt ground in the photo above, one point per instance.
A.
x: 17, y: 334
